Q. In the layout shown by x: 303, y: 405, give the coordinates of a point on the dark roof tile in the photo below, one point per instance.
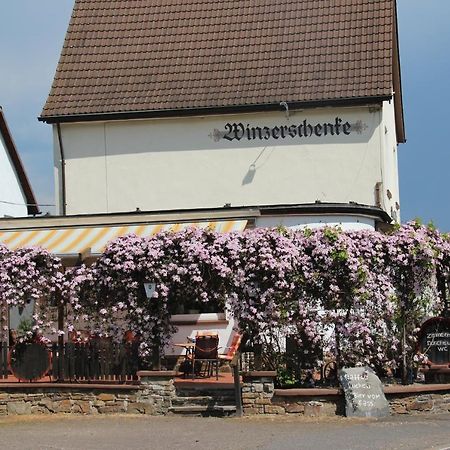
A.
x: 142, y: 55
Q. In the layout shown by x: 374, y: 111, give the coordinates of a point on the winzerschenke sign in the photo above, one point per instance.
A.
x: 237, y: 131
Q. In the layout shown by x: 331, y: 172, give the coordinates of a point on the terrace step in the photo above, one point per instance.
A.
x: 204, y: 410
x: 193, y: 401
x: 204, y: 398
x: 204, y: 391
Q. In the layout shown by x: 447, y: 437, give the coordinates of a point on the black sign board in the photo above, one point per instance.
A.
x: 364, y: 396
x: 434, y: 339
x: 29, y: 361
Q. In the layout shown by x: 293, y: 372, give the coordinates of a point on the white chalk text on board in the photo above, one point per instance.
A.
x: 364, y: 396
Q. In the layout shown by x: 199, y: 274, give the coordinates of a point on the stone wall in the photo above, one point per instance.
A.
x: 157, y: 391
x: 310, y: 405
x: 257, y: 393
x: 260, y: 397
x: 429, y: 403
x: 156, y: 394
x: 37, y: 400
x: 153, y: 396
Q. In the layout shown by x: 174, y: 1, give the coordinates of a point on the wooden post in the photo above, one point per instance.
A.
x: 60, y: 337
x: 338, y: 348
x: 235, y: 363
x: 404, y: 358
x: 442, y: 288
x: 446, y: 310
x: 156, y: 357
x: 257, y: 350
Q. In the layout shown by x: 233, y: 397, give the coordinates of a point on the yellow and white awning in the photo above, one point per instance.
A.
x: 69, y: 241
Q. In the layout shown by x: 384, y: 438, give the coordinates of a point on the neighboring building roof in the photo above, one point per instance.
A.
x: 18, y: 166
x: 160, y: 56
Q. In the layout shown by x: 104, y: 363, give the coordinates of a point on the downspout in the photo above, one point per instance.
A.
x: 63, y: 169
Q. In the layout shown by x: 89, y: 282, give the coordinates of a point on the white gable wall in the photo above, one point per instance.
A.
x: 161, y: 164
x: 10, y: 189
x: 390, y: 163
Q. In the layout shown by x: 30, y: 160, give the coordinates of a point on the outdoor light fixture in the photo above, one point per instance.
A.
x: 286, y: 107
x: 149, y: 289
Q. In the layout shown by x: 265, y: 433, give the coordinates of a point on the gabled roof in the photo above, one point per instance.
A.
x: 172, y: 56
x: 18, y: 166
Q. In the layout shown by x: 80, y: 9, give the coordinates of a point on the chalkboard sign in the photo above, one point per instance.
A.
x: 434, y: 340
x: 364, y: 396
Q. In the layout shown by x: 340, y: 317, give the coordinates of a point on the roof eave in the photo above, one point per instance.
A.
x: 397, y: 82
x: 159, y: 113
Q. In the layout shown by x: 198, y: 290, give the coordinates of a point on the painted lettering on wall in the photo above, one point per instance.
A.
x: 237, y: 131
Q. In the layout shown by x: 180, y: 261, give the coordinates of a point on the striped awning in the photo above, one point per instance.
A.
x: 69, y: 241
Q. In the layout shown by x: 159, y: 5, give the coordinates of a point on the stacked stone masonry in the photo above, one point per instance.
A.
x: 310, y: 406
x: 418, y: 404
x: 154, y: 397
x: 156, y: 394
x: 257, y: 397
x: 260, y: 397
x: 51, y: 401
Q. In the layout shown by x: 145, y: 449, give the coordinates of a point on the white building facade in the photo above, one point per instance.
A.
x: 185, y: 111
x: 327, y: 155
x: 260, y: 114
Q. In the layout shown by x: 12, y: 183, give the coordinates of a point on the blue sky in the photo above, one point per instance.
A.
x: 31, y: 37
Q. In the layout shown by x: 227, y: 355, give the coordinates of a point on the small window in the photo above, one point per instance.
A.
x: 195, y: 306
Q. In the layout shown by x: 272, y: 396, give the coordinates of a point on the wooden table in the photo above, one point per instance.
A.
x: 189, y: 346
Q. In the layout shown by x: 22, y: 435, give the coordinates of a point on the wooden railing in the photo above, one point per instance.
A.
x: 76, y: 362
x: 3, y: 360
x: 104, y: 361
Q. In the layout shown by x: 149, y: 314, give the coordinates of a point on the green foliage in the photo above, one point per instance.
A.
x: 285, y: 378
x: 25, y: 326
x: 332, y: 234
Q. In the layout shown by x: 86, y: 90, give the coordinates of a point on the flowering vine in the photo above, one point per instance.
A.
x: 30, y: 274
x: 360, y: 295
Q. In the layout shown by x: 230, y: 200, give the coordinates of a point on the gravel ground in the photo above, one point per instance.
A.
x: 130, y: 432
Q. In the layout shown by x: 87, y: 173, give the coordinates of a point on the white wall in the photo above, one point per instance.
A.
x: 10, y: 189
x: 176, y: 163
x: 315, y: 221
x: 224, y: 328
x: 390, y: 165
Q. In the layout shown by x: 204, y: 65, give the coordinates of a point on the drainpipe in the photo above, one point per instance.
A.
x: 63, y: 169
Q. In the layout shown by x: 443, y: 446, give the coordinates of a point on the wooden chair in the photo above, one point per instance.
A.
x: 206, y: 333
x: 232, y: 349
x: 206, y: 351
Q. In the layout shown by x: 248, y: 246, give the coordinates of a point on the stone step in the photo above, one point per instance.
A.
x: 204, y: 401
x: 204, y: 392
x: 194, y: 400
x: 203, y: 410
